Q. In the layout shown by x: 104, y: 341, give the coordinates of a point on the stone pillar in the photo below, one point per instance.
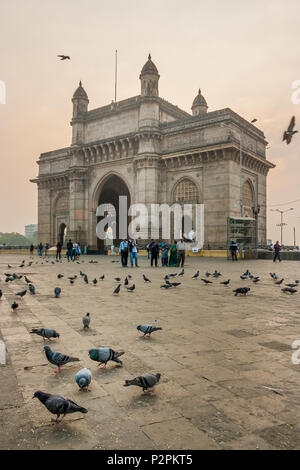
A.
x: 44, y: 214
x: 78, y: 209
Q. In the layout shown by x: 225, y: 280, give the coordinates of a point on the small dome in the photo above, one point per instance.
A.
x: 80, y: 93
x: 149, y: 67
x: 199, y: 100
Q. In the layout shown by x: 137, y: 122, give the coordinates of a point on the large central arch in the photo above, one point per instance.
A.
x: 112, y: 187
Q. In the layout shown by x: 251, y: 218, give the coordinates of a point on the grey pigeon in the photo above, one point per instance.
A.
x: 58, y: 359
x: 196, y: 275
x: 290, y: 290
x: 117, y: 289
x: 86, y: 321
x: 147, y: 329
x: 144, y: 381
x: 288, y: 134
x: 103, y: 355
x: 14, y: 305
x: 21, y: 294
x: 206, y: 281
x: 279, y: 282
x: 45, y: 332
x: 181, y: 272
x: 241, y: 290
x: 57, y: 292
x: 83, y: 378
x: 146, y: 278
x: 225, y: 283
x: 31, y: 289
x: 131, y: 288
x: 102, y: 277
x: 85, y: 278
x: 58, y: 405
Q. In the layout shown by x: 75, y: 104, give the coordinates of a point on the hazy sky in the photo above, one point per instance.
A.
x: 243, y: 54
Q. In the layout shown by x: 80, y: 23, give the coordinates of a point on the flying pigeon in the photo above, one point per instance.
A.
x: 117, y: 289
x: 57, y: 292
x: 58, y: 405
x: 58, y: 359
x: 83, y: 378
x: 103, y: 355
x: 86, y: 321
x: 147, y: 329
x: 146, y: 279
x: 144, y: 381
x: 45, y: 333
x: 288, y: 134
x: 64, y: 57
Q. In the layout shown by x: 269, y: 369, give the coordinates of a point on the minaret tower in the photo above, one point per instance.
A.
x: 80, y: 106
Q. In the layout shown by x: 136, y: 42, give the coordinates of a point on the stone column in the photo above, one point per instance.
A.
x: 44, y: 214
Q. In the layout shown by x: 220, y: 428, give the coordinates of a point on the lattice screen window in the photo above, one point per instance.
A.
x: 186, y: 191
x: 62, y: 204
x: 247, y: 195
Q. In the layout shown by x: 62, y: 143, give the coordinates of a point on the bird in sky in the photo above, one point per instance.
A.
x: 288, y: 134
x: 64, y: 57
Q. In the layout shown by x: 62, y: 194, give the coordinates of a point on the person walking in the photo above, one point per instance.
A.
x: 58, y: 250
x: 31, y: 250
x: 233, y: 249
x: 180, y: 253
x: 154, y: 248
x: 69, y: 249
x: 277, y: 249
x: 133, y: 253
x: 40, y: 249
x: 124, y: 252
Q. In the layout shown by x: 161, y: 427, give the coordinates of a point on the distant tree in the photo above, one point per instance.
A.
x: 13, y: 238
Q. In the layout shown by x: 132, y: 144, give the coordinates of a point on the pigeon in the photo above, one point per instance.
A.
x: 243, y: 277
x: 14, y: 306
x: 176, y: 284
x: 85, y: 278
x: 101, y: 278
x: 118, y: 279
x: 86, y: 321
x: 72, y: 277
x: 166, y: 277
x: 58, y: 359
x: 21, y: 294
x: 103, y: 355
x: 63, y: 57
x: 58, y: 405
x: 241, y: 290
x: 225, y: 283
x: 147, y: 329
x: 45, y: 333
x: 206, y: 281
x: 28, y: 281
x: 196, y: 275
x: 181, y: 272
x: 279, y: 282
x: 146, y: 278
x: 131, y: 288
x: 95, y: 281
x: 173, y: 274
x: 59, y: 276
x: 129, y: 276
x: 144, y: 381
x: 166, y: 286
x: 83, y: 378
x: 126, y: 282
x: 255, y: 280
x: 1, y: 293
x: 31, y: 289
x: 71, y: 281
x: 288, y: 134
x: 291, y: 285
x: 246, y: 273
x: 117, y: 289
x: 290, y: 290
x: 207, y: 274
x: 57, y: 292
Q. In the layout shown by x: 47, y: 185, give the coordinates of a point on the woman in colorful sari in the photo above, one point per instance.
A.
x: 173, y: 255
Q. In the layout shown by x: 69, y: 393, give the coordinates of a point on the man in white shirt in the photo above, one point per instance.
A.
x: 181, y: 253
x: 133, y: 252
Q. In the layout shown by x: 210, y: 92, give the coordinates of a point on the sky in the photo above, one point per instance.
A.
x: 243, y: 55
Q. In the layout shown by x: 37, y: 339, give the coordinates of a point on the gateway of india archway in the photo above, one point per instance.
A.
x: 151, y: 151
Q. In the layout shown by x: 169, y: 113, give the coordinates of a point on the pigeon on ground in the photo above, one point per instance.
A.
x: 58, y: 359
x: 147, y: 329
x: 86, y: 321
x: 225, y: 283
x: 85, y: 278
x: 131, y: 288
x: 58, y: 405
x: 28, y: 281
x: 129, y: 276
x: 63, y: 57
x: 255, y: 280
x: 59, y: 276
x: 207, y: 274
x: 117, y: 289
x: 166, y: 286
x: 83, y: 378
x: 31, y: 289
x: 146, y: 278
x: 206, y: 281
x: 95, y: 281
x: 288, y: 134
x: 1, y: 293
x: 176, y: 284
x: 173, y: 275
x: 103, y: 355
x: 126, y: 282
x: 45, y: 333
x: 279, y: 282
x: 292, y: 285
x: 241, y: 290
x: 181, y: 272
x: 14, y: 305
x: 21, y: 294
x: 290, y: 290
x: 118, y: 279
x: 196, y: 275
x: 72, y: 277
x: 243, y: 277
x: 57, y: 292
x: 101, y: 278
x: 144, y: 381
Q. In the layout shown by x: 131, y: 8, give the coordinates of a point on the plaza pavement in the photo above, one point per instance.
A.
x: 216, y: 353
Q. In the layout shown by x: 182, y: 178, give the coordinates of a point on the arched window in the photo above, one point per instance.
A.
x: 186, y: 192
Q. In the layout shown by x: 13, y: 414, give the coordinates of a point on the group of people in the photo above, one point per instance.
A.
x: 129, y: 247
x: 40, y: 249
x: 73, y: 250
x: 171, y: 254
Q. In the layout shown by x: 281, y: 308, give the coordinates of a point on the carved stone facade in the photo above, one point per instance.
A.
x: 153, y: 152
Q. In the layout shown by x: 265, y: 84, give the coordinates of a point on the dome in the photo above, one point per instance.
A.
x: 80, y: 93
x: 199, y: 100
x: 149, y: 67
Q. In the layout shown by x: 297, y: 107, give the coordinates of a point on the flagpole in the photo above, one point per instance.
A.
x: 116, y: 65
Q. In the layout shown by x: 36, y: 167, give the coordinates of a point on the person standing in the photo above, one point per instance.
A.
x: 173, y: 255
x: 133, y: 252
x: 69, y: 249
x: 233, y: 249
x: 58, y: 250
x: 153, y: 248
x: 124, y: 252
x: 112, y: 249
x: 181, y: 253
x: 31, y: 250
x: 40, y: 249
x: 164, y: 253
x: 277, y: 249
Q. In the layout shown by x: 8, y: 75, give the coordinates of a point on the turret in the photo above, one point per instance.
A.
x: 199, y: 105
x: 80, y: 106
